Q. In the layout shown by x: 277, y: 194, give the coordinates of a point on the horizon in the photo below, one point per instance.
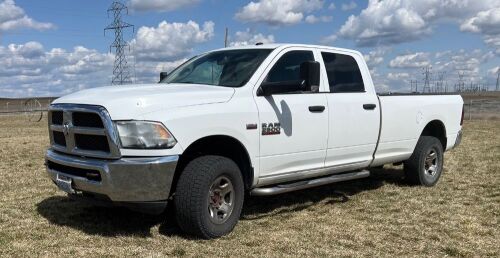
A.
x: 54, y: 48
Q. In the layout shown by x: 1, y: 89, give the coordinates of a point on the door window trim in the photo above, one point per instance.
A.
x: 277, y: 57
x: 329, y: 51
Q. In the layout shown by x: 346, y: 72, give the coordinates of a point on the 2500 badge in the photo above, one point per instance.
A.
x: 271, y: 128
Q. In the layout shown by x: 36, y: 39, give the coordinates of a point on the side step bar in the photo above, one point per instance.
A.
x: 285, y: 188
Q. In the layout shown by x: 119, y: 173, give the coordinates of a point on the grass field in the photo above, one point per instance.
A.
x: 377, y: 216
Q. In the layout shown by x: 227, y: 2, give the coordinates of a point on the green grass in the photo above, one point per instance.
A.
x: 378, y: 216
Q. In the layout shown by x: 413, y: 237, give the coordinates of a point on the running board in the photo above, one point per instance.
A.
x: 285, y: 188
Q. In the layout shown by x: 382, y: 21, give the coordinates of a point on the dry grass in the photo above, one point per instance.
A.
x: 372, y: 217
x: 490, y: 95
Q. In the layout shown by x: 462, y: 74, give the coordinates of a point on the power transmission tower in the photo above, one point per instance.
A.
x: 461, y: 82
x: 414, y: 85
x: 497, y: 86
x: 440, y: 82
x: 427, y: 79
x: 121, y: 70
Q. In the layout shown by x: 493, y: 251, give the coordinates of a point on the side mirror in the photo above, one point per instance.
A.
x: 163, y: 75
x: 309, y: 81
x: 309, y: 74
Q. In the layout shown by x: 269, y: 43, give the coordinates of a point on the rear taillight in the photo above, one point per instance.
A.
x: 462, y: 119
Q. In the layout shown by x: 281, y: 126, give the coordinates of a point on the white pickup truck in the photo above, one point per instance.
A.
x: 262, y: 120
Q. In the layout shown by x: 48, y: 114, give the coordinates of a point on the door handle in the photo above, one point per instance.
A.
x: 316, y: 109
x: 369, y: 106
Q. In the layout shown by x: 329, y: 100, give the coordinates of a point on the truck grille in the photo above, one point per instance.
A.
x: 83, y: 130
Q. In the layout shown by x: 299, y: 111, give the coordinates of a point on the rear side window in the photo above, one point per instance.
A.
x: 288, y: 66
x: 343, y: 73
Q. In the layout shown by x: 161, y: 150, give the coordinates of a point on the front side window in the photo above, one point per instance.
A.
x: 230, y: 68
x: 288, y: 66
x: 343, y: 73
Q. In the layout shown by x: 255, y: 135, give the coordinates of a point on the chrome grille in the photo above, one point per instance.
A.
x: 83, y: 130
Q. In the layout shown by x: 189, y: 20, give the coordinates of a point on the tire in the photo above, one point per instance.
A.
x: 204, y: 207
x: 425, y: 165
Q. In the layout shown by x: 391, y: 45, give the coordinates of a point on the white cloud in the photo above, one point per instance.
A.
x: 493, y: 72
x: 379, y: 81
x: 160, y: 5
x: 349, y: 6
x: 450, y: 63
x: 248, y: 37
x: 397, y: 21
x: 148, y: 72
x: 493, y: 42
x: 486, y: 23
x: 398, y: 76
x: 416, y: 60
x: 30, y: 70
x: 315, y: 19
x: 13, y: 17
x: 328, y: 40
x: 170, y: 41
x: 375, y: 57
x: 462, y: 60
x: 332, y: 6
x: 278, y: 12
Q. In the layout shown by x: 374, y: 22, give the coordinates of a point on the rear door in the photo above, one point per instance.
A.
x: 294, y: 128
x: 354, y: 112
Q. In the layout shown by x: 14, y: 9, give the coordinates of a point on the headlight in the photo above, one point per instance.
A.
x: 144, y: 135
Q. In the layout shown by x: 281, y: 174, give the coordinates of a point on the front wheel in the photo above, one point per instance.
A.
x: 209, y: 197
x: 425, y: 165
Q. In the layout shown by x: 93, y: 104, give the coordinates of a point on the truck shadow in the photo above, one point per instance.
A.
x: 259, y: 207
x: 114, y: 221
x: 94, y: 220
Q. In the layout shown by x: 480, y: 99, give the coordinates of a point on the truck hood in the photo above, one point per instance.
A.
x: 132, y: 101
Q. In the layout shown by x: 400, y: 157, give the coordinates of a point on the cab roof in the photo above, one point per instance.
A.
x: 287, y: 45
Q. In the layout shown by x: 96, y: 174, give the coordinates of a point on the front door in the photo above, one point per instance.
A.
x: 294, y: 126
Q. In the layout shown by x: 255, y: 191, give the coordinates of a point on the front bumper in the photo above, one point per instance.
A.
x: 125, y: 180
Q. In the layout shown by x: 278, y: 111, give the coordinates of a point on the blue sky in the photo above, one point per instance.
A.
x: 54, y: 47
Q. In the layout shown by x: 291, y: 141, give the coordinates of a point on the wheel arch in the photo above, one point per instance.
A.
x: 436, y: 128
x: 222, y: 145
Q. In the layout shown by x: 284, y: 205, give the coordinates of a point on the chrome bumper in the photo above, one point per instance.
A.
x: 131, y: 180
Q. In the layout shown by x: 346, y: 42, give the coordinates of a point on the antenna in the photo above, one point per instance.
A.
x: 121, y: 70
x: 225, y: 37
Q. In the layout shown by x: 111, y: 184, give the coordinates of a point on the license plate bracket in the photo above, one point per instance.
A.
x: 65, y: 183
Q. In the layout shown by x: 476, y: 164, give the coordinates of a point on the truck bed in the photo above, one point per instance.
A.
x: 404, y: 116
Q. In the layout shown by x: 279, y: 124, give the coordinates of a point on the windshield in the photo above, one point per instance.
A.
x: 230, y: 68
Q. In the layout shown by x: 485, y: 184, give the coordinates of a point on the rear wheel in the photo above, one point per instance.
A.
x: 209, y: 197
x: 425, y: 165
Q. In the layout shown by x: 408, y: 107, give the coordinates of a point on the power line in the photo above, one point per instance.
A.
x: 121, y: 70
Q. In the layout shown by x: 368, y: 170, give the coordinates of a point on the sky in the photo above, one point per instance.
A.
x: 55, y: 47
